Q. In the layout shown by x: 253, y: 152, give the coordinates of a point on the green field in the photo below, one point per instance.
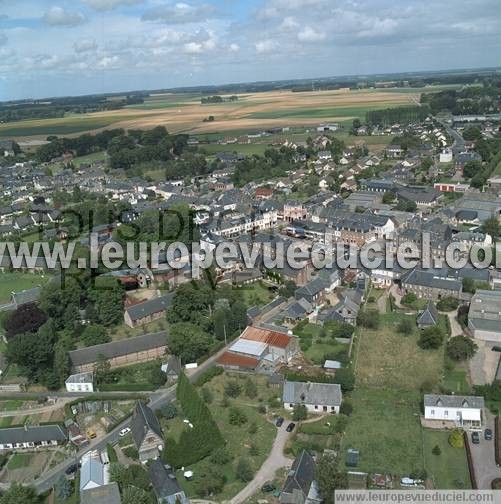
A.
x: 62, y: 126
x: 90, y: 158
x: 449, y: 470
x: 19, y: 460
x: 377, y: 365
x: 256, y: 294
x: 17, y: 281
x: 320, y: 113
x: 385, y: 427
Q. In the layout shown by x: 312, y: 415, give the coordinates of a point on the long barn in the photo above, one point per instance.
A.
x: 120, y: 353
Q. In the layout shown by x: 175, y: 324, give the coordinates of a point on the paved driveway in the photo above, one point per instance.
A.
x: 483, y: 458
x: 484, y: 363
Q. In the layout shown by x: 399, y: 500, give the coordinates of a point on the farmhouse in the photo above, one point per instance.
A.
x: 120, y: 353
x: 460, y: 411
x: 431, y: 284
x: 300, y: 486
x: 146, y: 433
x: 317, y: 397
x: 143, y: 313
x: 32, y: 437
x: 81, y: 382
x: 484, y: 316
x: 259, y: 348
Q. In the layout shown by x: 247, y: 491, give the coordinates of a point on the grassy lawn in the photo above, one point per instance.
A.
x: 133, y: 377
x: 320, y: 347
x: 17, y: 281
x: 377, y: 364
x: 449, y: 470
x: 456, y: 381
x: 318, y: 436
x: 19, y: 460
x: 122, y: 331
x: 90, y: 158
x: 247, y: 149
x: 238, y: 439
x: 256, y: 294
x: 385, y: 427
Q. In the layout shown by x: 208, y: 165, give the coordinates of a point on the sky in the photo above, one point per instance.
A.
x: 71, y: 47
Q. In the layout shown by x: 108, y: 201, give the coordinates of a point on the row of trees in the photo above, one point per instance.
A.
x: 200, y: 441
x: 400, y: 115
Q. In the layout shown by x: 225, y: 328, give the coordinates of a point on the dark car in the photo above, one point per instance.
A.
x: 496, y: 349
x: 475, y: 438
x: 268, y: 487
x: 488, y: 434
x: 290, y: 427
x: 280, y: 421
x: 72, y: 469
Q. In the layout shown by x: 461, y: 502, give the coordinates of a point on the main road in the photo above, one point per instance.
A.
x: 157, y: 400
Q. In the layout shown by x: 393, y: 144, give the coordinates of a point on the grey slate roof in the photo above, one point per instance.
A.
x: 26, y: 296
x: 325, y: 394
x: 33, y: 434
x: 429, y: 316
x: 301, y: 475
x: 165, y: 484
x: 429, y: 278
x: 485, y: 310
x: 454, y: 401
x: 144, y: 420
x: 150, y: 307
x: 106, y: 494
x: 118, y: 348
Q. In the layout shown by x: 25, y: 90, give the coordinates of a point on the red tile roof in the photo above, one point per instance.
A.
x: 272, y: 338
x: 231, y: 359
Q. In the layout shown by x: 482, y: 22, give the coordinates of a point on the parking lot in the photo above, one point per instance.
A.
x: 483, y: 457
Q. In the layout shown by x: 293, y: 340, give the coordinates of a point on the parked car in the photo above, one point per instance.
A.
x: 290, y: 427
x: 124, y: 432
x: 488, y: 434
x: 280, y: 421
x: 475, y: 438
x: 268, y: 487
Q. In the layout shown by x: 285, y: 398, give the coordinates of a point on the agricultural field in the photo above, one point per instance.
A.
x: 185, y: 113
x: 377, y: 366
x: 386, y: 429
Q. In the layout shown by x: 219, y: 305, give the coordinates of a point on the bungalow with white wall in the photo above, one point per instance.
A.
x: 317, y: 397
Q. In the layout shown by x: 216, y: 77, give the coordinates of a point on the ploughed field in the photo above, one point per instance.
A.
x: 185, y: 113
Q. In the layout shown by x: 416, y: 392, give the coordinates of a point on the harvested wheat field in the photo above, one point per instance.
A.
x: 185, y: 113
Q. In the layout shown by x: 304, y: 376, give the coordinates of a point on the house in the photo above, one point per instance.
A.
x: 146, y: 432
x: 165, y: 484
x: 148, y: 311
x: 80, y: 382
x: 25, y: 296
x: 314, y: 291
x: 172, y: 368
x: 317, y: 397
x: 120, y: 353
x: 300, y: 486
x: 431, y: 284
x: 456, y: 410
x: 428, y: 317
x: 32, y: 437
x: 324, y: 155
x: 92, y: 473
x: 105, y: 494
x: 484, y: 316
x: 394, y: 151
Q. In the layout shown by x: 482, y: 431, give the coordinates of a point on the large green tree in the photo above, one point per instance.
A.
x: 188, y: 341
